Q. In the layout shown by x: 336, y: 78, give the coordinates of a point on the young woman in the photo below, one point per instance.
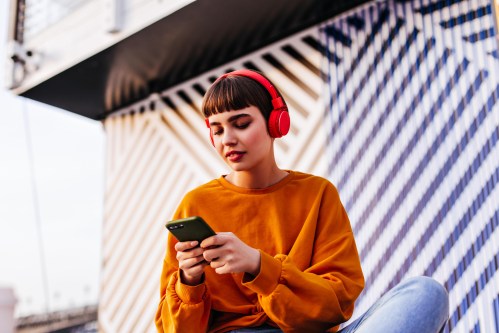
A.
x: 284, y: 257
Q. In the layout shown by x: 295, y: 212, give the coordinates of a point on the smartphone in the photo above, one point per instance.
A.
x: 192, y: 228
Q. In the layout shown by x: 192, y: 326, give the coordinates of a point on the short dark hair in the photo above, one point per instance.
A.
x: 235, y: 92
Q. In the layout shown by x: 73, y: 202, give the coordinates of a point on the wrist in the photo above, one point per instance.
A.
x: 191, y: 280
x: 255, y: 267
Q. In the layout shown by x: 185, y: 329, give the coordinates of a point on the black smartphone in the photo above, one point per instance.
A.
x: 192, y: 228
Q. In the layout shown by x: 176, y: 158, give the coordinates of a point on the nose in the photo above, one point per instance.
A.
x: 229, y: 138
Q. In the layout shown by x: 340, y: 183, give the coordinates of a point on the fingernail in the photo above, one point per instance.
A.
x: 194, y: 243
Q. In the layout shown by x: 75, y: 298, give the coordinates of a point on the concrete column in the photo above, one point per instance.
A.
x: 7, y: 305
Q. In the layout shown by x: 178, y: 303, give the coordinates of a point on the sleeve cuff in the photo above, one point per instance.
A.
x: 267, y: 280
x: 189, y: 294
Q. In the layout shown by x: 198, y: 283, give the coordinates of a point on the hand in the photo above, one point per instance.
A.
x: 228, y: 254
x: 191, y: 262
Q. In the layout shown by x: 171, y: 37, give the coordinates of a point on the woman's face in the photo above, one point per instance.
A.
x: 241, y: 138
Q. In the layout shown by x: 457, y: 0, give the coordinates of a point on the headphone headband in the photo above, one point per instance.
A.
x: 277, y: 101
x: 257, y: 77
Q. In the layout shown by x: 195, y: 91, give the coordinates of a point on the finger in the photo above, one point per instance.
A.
x: 210, y: 241
x: 213, y: 254
x: 184, y: 246
x: 195, y: 252
x: 216, y: 264
x: 218, y: 240
x: 194, y: 271
x: 191, y: 262
x: 222, y: 270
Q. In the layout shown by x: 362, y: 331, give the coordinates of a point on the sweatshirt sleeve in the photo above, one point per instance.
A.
x: 322, y: 296
x: 182, y: 308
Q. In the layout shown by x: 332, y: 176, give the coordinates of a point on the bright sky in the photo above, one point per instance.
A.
x: 68, y: 168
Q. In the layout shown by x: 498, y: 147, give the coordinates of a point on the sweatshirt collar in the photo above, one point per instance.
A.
x: 270, y: 189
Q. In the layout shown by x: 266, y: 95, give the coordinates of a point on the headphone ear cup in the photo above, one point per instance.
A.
x: 279, y: 123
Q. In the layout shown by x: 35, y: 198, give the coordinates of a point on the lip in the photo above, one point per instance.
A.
x: 234, y: 155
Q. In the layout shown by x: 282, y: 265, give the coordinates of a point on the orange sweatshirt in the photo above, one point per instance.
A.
x: 310, y: 271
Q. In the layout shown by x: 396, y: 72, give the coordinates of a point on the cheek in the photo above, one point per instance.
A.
x: 219, y: 148
x: 259, y: 140
x: 255, y: 136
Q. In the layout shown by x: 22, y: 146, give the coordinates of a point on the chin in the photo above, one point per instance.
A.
x: 238, y: 167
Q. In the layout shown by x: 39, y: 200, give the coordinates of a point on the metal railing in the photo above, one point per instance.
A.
x: 33, y: 16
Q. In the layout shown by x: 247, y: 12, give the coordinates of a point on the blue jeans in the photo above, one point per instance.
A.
x: 416, y: 305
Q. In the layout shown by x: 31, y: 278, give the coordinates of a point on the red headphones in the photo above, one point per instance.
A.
x: 279, y: 121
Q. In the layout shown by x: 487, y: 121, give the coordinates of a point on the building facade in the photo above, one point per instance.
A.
x: 396, y: 102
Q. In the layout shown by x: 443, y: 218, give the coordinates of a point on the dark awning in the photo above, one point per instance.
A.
x: 200, y: 36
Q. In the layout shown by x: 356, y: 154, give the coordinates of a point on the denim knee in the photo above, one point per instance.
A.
x: 435, y: 296
x: 430, y: 287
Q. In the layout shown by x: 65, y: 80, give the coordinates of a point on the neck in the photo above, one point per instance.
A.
x: 257, y: 179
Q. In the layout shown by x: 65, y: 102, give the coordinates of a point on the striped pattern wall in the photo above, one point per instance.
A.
x: 413, y: 125
x: 159, y: 149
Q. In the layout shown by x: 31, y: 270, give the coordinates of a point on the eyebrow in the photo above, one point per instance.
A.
x: 232, y: 119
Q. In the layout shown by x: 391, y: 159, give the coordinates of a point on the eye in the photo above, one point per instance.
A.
x: 217, y: 131
x: 243, y: 125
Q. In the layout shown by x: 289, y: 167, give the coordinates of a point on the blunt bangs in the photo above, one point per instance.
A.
x: 236, y: 93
